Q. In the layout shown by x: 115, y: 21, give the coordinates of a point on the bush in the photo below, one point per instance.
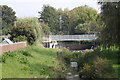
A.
x: 19, y: 38
x: 87, y: 72
x: 66, y: 55
x: 24, y: 31
x: 70, y: 56
x: 86, y: 58
x: 92, y: 65
x: 76, y: 56
x: 101, y: 68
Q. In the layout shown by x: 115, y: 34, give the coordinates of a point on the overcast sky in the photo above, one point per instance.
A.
x: 30, y: 8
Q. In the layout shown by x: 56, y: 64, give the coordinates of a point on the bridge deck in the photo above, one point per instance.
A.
x: 68, y: 37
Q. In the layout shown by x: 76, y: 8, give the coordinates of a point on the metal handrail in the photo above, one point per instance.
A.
x: 68, y: 37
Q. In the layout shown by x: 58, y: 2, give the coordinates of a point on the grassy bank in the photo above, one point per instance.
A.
x: 31, y: 62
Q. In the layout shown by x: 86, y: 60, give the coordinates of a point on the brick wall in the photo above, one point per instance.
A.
x: 12, y: 47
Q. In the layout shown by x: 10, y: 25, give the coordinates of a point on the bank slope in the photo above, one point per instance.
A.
x: 31, y: 62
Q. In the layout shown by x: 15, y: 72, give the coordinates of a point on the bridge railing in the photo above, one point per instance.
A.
x: 69, y: 37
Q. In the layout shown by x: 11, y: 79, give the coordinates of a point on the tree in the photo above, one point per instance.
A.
x: 22, y: 31
x: 67, y: 22
x: 110, y: 14
x: 64, y: 19
x: 49, y: 16
x: 81, y: 16
x: 90, y: 27
x: 8, y: 18
x: 56, y: 19
x: 45, y: 29
x: 29, y: 29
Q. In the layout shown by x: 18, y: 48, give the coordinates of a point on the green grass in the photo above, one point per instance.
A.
x: 31, y: 62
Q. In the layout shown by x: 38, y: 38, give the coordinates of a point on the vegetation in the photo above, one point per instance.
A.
x: 32, y: 62
x: 26, y: 29
x: 100, y: 63
x: 49, y: 16
x: 45, y: 29
x: 79, y: 20
x: 22, y: 34
x: 8, y: 18
x: 110, y: 14
x: 35, y: 62
x: 83, y: 20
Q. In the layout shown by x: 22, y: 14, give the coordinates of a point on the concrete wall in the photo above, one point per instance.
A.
x: 12, y: 47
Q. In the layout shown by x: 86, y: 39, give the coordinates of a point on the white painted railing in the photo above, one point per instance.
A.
x: 68, y: 37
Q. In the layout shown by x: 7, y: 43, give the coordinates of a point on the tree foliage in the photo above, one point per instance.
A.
x: 87, y: 27
x: 45, y: 29
x: 28, y: 27
x: 110, y: 14
x: 8, y: 18
x: 16, y: 32
x: 49, y: 16
x: 64, y: 19
x: 82, y: 17
x: 68, y: 22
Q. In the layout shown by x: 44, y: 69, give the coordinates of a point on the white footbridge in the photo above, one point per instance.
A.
x: 50, y: 38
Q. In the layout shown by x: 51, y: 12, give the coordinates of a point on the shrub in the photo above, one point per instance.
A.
x: 87, y: 72
x: 26, y: 31
x: 66, y: 55
x: 76, y: 56
x: 19, y: 38
x: 86, y: 58
x: 101, y: 68
x: 70, y: 56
